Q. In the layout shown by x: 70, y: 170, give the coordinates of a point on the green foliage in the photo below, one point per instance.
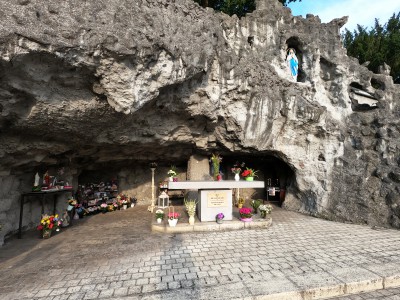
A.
x: 235, y: 7
x: 380, y: 44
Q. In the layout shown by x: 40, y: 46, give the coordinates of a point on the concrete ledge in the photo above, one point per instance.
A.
x: 211, y: 226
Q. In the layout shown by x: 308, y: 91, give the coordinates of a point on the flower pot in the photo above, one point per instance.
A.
x: 240, y: 205
x: 237, y: 177
x: 159, y: 220
x: 219, y: 221
x: 249, y: 178
x: 46, y: 233
x: 191, y: 220
x: 246, y: 219
x: 172, y: 222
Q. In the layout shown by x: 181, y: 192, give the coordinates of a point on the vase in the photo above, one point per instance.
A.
x: 219, y: 221
x: 249, y: 178
x: 246, y: 219
x: 46, y: 233
x: 240, y: 205
x: 125, y: 206
x: 237, y: 177
x: 171, y: 178
x: 159, y: 220
x: 172, y: 222
x: 132, y: 204
x: 191, y: 220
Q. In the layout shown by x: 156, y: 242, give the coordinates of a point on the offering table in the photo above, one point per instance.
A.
x: 214, y: 196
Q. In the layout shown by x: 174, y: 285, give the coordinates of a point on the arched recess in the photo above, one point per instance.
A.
x: 295, y: 43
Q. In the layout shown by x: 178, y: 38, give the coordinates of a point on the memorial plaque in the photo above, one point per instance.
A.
x: 217, y: 199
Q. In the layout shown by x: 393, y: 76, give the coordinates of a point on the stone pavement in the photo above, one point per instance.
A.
x: 116, y: 256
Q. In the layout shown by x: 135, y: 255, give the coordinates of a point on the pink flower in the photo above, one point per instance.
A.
x: 172, y: 216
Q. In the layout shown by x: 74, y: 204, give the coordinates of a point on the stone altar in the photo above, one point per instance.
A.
x: 214, y: 196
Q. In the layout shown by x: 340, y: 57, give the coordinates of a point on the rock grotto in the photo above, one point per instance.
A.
x: 103, y: 88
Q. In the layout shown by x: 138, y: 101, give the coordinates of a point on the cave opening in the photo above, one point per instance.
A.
x: 278, y: 176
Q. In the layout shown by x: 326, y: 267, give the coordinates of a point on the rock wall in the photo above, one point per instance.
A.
x: 118, y: 83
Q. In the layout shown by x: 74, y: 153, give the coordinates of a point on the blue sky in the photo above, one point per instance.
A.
x: 361, y: 12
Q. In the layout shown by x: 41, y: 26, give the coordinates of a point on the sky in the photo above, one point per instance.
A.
x: 361, y: 12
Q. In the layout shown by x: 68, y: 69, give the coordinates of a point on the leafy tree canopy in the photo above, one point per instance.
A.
x: 378, y: 45
x: 235, y: 7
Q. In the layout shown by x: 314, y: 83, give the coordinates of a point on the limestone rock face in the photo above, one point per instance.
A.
x: 116, y: 84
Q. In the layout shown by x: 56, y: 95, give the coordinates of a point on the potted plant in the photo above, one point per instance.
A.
x: 48, y: 224
x: 124, y: 204
x: 245, y: 214
x: 159, y: 215
x: 255, y: 204
x: 103, y: 208
x: 249, y: 174
x: 172, y: 173
x: 191, y: 209
x: 219, y: 217
x: 265, y: 209
x: 240, y: 202
x: 173, y: 218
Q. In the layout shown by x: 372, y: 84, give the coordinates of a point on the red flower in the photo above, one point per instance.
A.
x: 246, y: 173
x: 40, y: 227
x: 51, y: 225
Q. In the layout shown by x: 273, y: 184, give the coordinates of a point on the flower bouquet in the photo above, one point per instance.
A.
x: 245, y: 214
x: 172, y: 173
x: 249, y: 174
x: 219, y: 217
x: 159, y: 215
x: 215, y: 160
x: 48, y: 224
x: 191, y: 209
x: 265, y: 209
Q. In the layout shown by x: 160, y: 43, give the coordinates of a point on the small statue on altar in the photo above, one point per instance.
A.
x: 37, y: 179
x: 46, y: 179
x: 65, y: 219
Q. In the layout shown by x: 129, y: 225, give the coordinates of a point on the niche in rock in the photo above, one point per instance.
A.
x: 295, y: 44
x: 278, y: 176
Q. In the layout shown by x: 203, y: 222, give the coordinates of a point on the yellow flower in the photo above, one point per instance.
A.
x: 56, y: 216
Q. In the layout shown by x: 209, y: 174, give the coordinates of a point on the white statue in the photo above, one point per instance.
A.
x: 37, y: 179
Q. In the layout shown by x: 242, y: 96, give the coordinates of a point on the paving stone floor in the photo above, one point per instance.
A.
x: 116, y: 256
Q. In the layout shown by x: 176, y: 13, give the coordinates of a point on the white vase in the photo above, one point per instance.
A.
x: 237, y: 177
x: 171, y: 178
x: 125, y: 206
x: 191, y: 220
x: 159, y: 220
x: 132, y: 204
x: 172, y: 222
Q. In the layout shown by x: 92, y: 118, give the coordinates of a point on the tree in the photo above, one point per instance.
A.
x: 235, y: 7
x: 380, y: 44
